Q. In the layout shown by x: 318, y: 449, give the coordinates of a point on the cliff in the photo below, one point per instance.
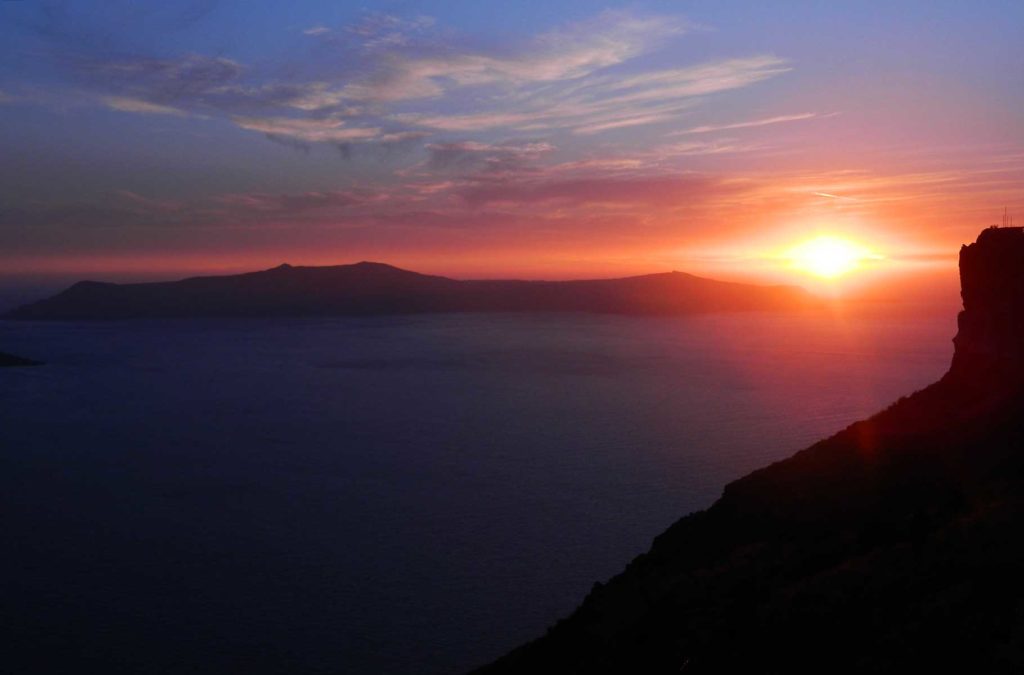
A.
x: 7, y: 360
x: 893, y: 546
x: 990, y: 339
x: 374, y: 288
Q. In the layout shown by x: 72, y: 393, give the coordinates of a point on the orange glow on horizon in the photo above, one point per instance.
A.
x: 764, y: 258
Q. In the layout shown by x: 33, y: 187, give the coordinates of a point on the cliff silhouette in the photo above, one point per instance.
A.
x: 9, y: 360
x: 374, y: 288
x: 892, y: 547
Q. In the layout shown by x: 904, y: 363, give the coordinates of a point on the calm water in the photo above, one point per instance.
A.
x: 396, y: 495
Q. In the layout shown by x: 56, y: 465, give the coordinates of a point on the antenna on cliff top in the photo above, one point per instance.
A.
x: 1007, y: 217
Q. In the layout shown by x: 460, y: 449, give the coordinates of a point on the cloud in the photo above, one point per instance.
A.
x: 573, y: 52
x: 832, y: 196
x: 313, y: 96
x: 133, y: 199
x: 603, y: 102
x: 125, y: 209
x: 210, y: 84
x: 700, y: 80
x: 507, y: 157
x: 468, y: 122
x: 749, y: 124
x: 402, y: 136
x: 404, y: 83
x: 295, y: 203
x: 307, y: 130
x: 658, y: 190
x: 186, y: 80
x: 378, y: 31
x: 671, y: 151
x: 134, y: 105
x: 214, y: 87
x: 622, y: 122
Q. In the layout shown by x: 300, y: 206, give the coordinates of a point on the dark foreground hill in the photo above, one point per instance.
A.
x: 893, y: 547
x: 373, y: 288
x: 7, y: 360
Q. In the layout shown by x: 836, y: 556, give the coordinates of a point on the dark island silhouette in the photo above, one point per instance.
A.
x: 368, y: 288
x: 892, y: 547
x: 8, y: 360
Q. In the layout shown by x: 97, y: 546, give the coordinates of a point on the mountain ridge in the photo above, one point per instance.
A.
x: 371, y: 288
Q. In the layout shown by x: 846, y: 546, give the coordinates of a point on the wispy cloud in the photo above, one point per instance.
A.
x: 622, y: 122
x: 186, y: 80
x: 291, y: 204
x: 602, y: 103
x: 133, y: 199
x: 134, y: 105
x: 378, y: 30
x: 494, y: 158
x: 595, y: 190
x: 307, y: 130
x: 749, y: 124
x: 717, y: 147
x: 828, y: 195
x: 406, y: 82
x: 699, y: 80
x: 573, y: 52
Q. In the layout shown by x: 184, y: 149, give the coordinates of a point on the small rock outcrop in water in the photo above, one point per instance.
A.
x: 373, y: 288
x: 7, y: 360
x: 892, y: 547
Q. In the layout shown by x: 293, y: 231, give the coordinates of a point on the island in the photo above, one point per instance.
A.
x: 368, y: 288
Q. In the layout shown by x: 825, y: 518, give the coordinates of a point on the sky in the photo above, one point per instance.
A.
x: 526, y: 139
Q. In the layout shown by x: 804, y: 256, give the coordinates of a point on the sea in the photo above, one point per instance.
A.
x: 414, y: 494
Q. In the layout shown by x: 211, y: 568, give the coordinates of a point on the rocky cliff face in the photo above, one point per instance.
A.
x: 892, y: 547
x: 8, y: 360
x: 990, y: 337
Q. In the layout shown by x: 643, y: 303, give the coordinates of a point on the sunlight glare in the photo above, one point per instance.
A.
x: 829, y: 257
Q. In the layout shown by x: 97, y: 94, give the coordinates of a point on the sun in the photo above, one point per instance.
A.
x: 829, y: 257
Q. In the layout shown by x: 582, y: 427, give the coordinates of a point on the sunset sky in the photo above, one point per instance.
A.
x: 521, y: 139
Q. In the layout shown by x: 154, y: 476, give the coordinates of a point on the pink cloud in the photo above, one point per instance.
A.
x: 133, y: 105
x: 309, y: 130
x: 749, y: 124
x: 648, y: 190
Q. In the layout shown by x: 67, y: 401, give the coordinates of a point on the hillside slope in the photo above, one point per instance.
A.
x: 893, y: 546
